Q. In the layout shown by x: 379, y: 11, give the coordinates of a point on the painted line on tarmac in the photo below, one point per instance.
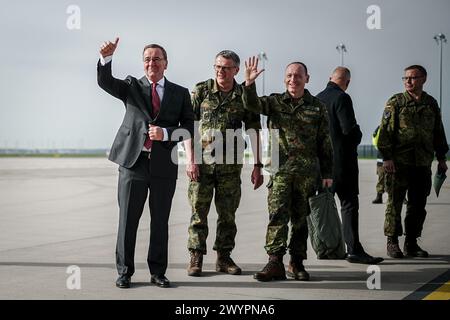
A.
x: 436, y: 289
x: 442, y: 293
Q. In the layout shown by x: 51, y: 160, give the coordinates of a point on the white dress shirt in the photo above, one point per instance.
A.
x: 159, y: 89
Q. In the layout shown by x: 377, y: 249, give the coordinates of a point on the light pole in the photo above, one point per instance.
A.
x: 440, y: 40
x: 341, y: 49
x: 263, y: 57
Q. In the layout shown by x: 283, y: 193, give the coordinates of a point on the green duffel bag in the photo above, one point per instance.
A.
x: 325, y: 228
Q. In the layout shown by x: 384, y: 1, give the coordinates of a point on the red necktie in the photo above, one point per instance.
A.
x: 156, y: 105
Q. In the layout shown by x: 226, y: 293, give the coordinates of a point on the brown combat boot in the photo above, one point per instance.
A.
x: 393, y: 250
x: 195, y: 265
x: 412, y: 249
x: 296, y: 269
x: 273, y: 270
x: 224, y: 263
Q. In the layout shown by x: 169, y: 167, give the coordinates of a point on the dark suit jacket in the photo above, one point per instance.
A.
x: 345, y: 136
x: 175, y: 113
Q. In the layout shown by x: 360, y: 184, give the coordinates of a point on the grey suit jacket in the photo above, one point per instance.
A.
x: 175, y: 113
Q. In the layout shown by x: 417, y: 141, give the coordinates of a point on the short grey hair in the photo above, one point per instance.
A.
x: 156, y: 46
x: 228, y: 54
x: 343, y: 70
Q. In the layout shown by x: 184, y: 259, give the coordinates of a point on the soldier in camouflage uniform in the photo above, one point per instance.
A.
x: 304, y: 140
x: 411, y: 132
x: 218, y: 106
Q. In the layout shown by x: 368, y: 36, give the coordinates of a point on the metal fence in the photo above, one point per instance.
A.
x: 369, y: 151
x: 364, y: 151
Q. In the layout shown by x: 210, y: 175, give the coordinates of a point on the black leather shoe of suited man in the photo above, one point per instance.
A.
x: 123, y: 282
x: 160, y: 280
x: 412, y: 249
x: 363, y: 258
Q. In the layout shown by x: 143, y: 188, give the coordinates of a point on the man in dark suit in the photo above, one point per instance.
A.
x: 345, y: 137
x: 157, y: 114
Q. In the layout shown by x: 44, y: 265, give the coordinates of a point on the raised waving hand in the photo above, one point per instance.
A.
x: 251, y: 70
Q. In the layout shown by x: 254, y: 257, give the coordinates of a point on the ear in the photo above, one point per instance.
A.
x: 307, y: 78
x: 237, y: 71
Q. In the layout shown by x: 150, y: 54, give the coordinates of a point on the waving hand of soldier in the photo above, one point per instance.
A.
x: 251, y: 70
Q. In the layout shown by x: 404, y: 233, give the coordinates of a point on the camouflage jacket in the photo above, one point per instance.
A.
x: 303, y: 132
x: 411, y: 131
x: 216, y: 111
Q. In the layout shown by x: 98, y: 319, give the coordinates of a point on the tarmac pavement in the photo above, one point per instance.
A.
x: 62, y: 212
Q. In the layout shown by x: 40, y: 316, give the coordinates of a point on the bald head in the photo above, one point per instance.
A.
x: 341, y: 77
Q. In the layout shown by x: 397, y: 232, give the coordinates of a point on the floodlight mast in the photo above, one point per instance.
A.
x: 440, y: 40
x: 263, y: 57
x: 341, y: 49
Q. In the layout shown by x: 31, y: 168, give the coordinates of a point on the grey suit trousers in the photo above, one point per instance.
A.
x: 134, y: 185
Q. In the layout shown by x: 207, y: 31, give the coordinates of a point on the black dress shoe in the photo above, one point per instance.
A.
x: 412, y: 249
x: 123, y: 282
x: 160, y: 281
x: 363, y: 258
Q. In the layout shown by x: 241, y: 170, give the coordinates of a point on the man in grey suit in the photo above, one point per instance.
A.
x: 158, y: 114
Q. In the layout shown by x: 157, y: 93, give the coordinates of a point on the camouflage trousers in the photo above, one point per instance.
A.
x: 225, y: 180
x: 288, y: 202
x: 417, y: 182
x: 381, y: 179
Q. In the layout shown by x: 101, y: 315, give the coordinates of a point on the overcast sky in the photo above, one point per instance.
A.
x: 50, y: 97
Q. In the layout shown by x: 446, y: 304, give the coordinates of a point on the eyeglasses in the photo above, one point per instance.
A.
x: 156, y: 59
x: 411, y: 78
x: 224, y: 68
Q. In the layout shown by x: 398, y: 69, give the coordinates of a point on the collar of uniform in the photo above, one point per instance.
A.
x: 410, y: 100
x: 237, y: 90
x: 305, y: 99
x: 214, y: 87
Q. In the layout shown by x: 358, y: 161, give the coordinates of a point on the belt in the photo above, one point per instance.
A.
x: 146, y: 154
